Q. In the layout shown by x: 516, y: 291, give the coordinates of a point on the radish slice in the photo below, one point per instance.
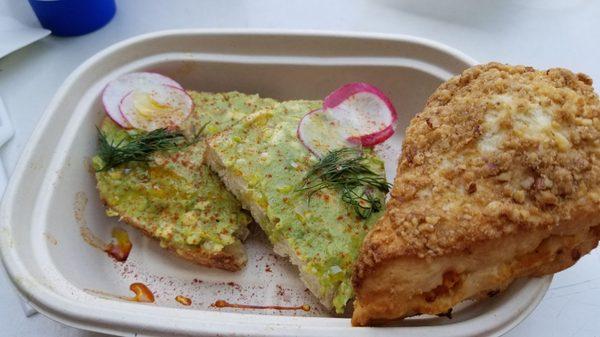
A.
x: 319, y: 131
x: 357, y: 114
x: 117, y: 89
x: 364, y: 113
x: 155, y: 107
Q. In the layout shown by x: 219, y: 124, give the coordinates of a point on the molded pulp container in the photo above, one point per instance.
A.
x: 52, y: 194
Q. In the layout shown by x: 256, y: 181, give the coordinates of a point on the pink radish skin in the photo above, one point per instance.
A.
x: 128, y: 112
x: 342, y: 96
x: 117, y: 89
x: 374, y: 138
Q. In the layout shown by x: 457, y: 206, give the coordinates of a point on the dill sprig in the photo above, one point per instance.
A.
x: 137, y: 148
x: 199, y: 134
x: 346, y: 170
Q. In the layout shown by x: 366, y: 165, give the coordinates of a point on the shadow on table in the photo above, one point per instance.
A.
x: 486, y: 15
x: 92, y: 334
x: 481, y: 14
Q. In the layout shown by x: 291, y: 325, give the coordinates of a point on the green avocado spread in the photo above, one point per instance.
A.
x: 323, y: 232
x: 174, y: 196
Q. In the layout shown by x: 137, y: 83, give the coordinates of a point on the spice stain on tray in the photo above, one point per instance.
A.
x: 225, y: 304
x: 51, y: 239
x: 183, y: 300
x: 252, y: 287
x: 119, y: 247
x: 81, y: 201
x: 234, y: 286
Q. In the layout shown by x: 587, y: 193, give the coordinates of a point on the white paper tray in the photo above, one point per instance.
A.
x: 45, y: 203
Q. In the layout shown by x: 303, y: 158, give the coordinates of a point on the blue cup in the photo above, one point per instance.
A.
x: 73, y: 17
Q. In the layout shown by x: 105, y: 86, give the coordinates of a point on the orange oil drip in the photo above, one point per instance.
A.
x: 225, y: 304
x: 183, y: 300
x: 142, y: 293
x: 120, y: 247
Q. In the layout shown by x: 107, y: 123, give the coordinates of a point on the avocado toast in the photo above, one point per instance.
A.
x: 263, y: 163
x: 174, y: 197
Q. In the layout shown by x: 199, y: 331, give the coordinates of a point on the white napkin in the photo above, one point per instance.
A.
x: 18, y: 26
x: 6, y: 132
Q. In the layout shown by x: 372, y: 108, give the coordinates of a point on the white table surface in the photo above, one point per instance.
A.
x: 541, y: 33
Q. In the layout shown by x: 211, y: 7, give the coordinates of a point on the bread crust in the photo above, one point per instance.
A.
x: 499, y: 153
x: 231, y: 258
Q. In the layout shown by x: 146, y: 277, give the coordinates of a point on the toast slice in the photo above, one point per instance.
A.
x: 262, y: 162
x: 499, y: 179
x: 175, y: 198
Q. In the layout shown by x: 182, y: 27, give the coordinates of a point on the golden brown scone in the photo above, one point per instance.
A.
x: 499, y: 178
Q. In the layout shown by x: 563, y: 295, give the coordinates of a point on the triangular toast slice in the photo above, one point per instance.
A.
x: 263, y: 163
x: 499, y: 179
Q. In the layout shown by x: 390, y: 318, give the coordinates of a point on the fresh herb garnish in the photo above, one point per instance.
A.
x: 198, y: 135
x: 346, y: 170
x: 137, y: 148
